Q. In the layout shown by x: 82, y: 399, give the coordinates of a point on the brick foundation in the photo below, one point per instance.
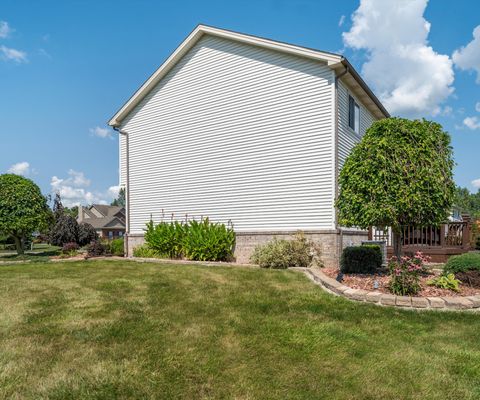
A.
x: 329, y: 241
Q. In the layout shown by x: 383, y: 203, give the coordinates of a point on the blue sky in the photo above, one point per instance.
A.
x: 67, y: 66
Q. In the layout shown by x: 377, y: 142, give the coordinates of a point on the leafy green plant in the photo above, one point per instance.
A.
x: 117, y: 247
x: 207, y: 241
x: 445, y: 282
x: 166, y: 238
x: 399, y: 174
x: 462, y: 263
x: 144, y: 251
x: 281, y: 253
x: 361, y: 259
x: 405, y: 274
x: 195, y: 240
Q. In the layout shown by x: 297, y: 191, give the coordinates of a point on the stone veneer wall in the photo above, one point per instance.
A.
x: 329, y: 241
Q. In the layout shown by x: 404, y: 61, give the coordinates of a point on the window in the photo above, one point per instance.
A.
x: 110, y: 234
x: 353, y: 115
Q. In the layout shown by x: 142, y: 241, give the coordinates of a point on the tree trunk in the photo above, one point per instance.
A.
x: 397, y: 243
x: 18, y: 245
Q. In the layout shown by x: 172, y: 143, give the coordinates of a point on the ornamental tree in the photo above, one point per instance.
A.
x: 399, y: 174
x: 23, y: 208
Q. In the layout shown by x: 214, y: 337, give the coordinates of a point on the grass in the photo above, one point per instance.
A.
x: 126, y: 330
x: 40, y: 253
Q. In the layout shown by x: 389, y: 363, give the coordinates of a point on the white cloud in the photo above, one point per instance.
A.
x: 477, y: 107
x: 101, y: 132
x: 341, y: 20
x: 476, y: 183
x: 21, y: 168
x: 468, y: 57
x: 73, y: 190
x: 472, y: 123
x: 5, y: 29
x: 113, y: 191
x: 410, y: 78
x: 10, y: 54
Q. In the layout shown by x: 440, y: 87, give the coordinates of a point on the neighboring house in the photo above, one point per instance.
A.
x: 242, y: 128
x: 108, y: 221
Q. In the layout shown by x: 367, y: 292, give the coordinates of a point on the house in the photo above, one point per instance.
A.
x: 108, y: 221
x: 241, y: 128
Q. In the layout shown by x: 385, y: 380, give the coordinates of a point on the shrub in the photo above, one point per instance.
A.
x: 195, y: 240
x: 70, y: 249
x: 445, y: 282
x: 282, y: 253
x: 117, y: 247
x: 166, y: 238
x: 86, y: 234
x: 405, y: 274
x: 96, y: 248
x: 361, y: 259
x: 64, y: 231
x: 145, y: 252
x: 462, y: 263
x: 208, y: 241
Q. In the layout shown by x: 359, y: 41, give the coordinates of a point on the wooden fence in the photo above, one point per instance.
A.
x: 439, y: 242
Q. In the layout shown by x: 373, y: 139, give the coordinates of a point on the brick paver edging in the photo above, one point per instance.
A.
x: 382, y: 299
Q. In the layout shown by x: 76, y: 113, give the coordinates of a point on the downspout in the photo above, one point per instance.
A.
x: 337, y: 228
x: 127, y: 187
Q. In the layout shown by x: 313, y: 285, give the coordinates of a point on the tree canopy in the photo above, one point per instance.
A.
x: 120, y: 200
x: 399, y: 174
x: 23, y: 208
x: 468, y: 202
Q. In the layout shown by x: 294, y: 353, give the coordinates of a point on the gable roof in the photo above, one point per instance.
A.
x: 335, y: 61
x: 112, y: 216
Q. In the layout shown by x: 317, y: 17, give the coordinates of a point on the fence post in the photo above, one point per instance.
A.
x: 466, y: 235
x: 442, y: 235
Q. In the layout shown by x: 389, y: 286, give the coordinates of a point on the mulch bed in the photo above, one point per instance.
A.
x: 367, y: 282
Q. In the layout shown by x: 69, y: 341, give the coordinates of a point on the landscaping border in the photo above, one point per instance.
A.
x: 383, y: 299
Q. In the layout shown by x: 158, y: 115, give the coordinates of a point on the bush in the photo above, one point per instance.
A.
x: 405, y: 274
x: 445, y: 282
x: 70, y: 249
x: 361, y: 259
x: 96, y: 248
x: 64, y: 231
x: 117, y: 247
x: 462, y: 263
x: 166, y: 238
x: 282, y: 253
x: 86, y: 234
x: 208, y: 241
x: 202, y: 241
x: 145, y: 252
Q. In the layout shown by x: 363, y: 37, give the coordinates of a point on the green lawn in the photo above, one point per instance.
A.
x: 126, y: 330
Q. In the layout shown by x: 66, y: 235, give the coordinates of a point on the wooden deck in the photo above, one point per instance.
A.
x: 438, y: 242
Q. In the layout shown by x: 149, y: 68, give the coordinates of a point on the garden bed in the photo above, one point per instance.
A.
x: 367, y: 282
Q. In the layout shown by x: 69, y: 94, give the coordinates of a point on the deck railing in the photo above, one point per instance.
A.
x: 451, y: 234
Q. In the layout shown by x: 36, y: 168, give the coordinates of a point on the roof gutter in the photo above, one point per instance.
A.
x: 364, y: 86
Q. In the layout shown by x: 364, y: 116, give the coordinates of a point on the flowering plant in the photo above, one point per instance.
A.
x: 405, y: 273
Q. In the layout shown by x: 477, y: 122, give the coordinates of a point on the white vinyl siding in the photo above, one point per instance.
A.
x: 347, y: 138
x: 239, y: 133
x: 122, y: 143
